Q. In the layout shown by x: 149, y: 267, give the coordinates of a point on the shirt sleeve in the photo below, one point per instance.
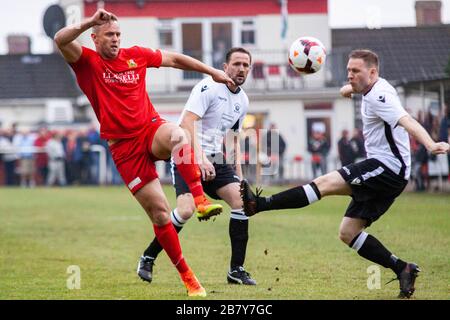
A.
x: 389, y: 108
x: 82, y: 64
x: 199, y: 99
x: 153, y: 57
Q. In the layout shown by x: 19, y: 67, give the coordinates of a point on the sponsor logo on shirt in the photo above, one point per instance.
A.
x: 127, y: 77
x: 381, y: 98
x: 204, y: 88
x: 131, y: 63
x: 222, y: 98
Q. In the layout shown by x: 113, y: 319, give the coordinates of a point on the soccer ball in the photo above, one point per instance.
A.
x: 307, y: 55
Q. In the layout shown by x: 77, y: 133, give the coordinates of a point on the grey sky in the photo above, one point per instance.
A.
x: 25, y: 17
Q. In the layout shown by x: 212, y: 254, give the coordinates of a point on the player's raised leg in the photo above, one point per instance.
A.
x: 152, y: 199
x: 298, y: 197
x: 170, y: 140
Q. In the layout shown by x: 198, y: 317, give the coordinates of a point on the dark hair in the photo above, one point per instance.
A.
x: 237, y: 49
x: 368, y: 56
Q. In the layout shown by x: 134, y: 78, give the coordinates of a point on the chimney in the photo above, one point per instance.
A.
x: 19, y: 44
x: 428, y: 13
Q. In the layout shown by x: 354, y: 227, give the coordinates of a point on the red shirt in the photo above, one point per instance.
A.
x: 116, y: 89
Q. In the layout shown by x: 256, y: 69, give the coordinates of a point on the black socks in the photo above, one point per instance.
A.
x: 297, y: 197
x: 370, y: 248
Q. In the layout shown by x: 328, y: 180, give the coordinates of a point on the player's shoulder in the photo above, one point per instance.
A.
x: 88, y: 52
x: 380, y: 91
x: 206, y: 85
x: 243, y: 95
x: 383, y: 86
x: 133, y: 50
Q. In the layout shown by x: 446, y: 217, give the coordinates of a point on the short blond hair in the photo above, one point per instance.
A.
x: 369, y: 57
x: 113, y: 18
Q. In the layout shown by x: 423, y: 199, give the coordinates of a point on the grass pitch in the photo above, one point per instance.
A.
x: 293, y: 254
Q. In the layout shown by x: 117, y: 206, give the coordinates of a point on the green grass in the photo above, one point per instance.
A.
x: 292, y: 254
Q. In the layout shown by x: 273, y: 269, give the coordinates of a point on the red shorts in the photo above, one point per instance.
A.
x: 134, y: 159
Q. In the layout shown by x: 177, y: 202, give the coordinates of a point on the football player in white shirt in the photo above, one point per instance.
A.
x: 210, y: 113
x: 373, y: 183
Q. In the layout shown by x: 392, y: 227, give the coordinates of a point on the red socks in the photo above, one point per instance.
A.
x: 168, y: 238
x: 189, y: 170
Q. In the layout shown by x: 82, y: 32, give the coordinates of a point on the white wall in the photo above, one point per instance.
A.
x: 26, y: 115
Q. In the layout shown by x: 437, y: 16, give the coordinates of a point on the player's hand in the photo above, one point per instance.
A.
x: 222, y: 77
x: 207, y: 170
x: 440, y: 148
x: 101, y: 17
x: 346, y: 91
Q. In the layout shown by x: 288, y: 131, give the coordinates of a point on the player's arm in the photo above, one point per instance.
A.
x: 420, y: 134
x: 184, y: 62
x: 188, y: 123
x: 65, y: 38
x: 346, y: 91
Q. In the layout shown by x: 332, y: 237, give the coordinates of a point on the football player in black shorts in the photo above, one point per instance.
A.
x: 211, y: 112
x: 373, y: 183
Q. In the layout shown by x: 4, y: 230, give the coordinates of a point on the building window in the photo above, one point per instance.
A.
x: 165, y: 34
x: 221, y: 42
x: 248, y: 33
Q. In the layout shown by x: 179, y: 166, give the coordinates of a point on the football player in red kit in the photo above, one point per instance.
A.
x: 113, y: 79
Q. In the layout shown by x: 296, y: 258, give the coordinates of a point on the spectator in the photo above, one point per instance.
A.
x: 25, y: 143
x: 56, y: 154
x: 419, y: 165
x: 93, y: 136
x: 345, y: 150
x: 40, y: 157
x: 9, y: 157
x: 275, y: 149
x: 73, y: 157
x: 84, y: 147
x: 319, y: 147
x: 357, y: 143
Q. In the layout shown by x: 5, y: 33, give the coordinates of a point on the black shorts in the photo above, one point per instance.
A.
x: 374, y: 189
x: 225, y: 175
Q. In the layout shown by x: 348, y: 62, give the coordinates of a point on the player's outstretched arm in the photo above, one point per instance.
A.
x: 417, y: 131
x: 65, y: 38
x: 184, y: 62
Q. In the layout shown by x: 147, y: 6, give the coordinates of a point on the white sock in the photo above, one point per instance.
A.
x: 176, y: 219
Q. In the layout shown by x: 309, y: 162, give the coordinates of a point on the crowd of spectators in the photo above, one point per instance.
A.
x: 53, y: 157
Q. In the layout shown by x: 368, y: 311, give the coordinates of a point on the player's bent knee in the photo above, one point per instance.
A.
x: 345, y: 236
x: 178, y: 137
x: 186, y: 212
x: 332, y: 184
x: 160, y: 217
